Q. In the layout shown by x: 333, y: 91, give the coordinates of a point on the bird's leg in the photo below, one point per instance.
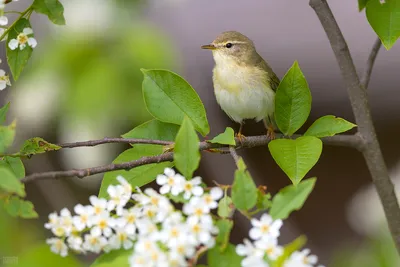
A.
x: 270, y: 129
x: 239, y: 134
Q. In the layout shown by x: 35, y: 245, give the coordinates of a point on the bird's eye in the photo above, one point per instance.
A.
x: 228, y: 45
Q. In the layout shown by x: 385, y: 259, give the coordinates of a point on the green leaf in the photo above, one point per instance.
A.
x: 263, y: 200
x: 154, y: 129
x: 329, y: 125
x: 296, y: 157
x: 292, y: 101
x: 384, y: 18
x: 244, y: 190
x: 186, y: 150
x: 227, y: 258
x: 169, y: 98
x: 138, y: 176
x: 42, y: 256
x: 52, y: 8
x: 7, y: 134
x: 295, y: 245
x: 9, y: 182
x: 225, y: 207
x: 17, y: 207
x: 15, y: 165
x: 226, y: 138
x: 3, y: 112
x: 362, y: 4
x: 114, y: 258
x: 37, y: 145
x: 291, y: 198
x: 224, y: 231
x: 18, y: 58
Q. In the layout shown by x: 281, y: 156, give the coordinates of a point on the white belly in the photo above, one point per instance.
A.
x: 243, y: 98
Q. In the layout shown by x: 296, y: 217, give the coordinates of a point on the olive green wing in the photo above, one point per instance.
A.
x: 273, y: 79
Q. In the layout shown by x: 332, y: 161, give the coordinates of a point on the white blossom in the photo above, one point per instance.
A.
x: 302, y: 259
x: 266, y: 227
x: 270, y: 247
x: 122, y: 238
x: 3, y: 20
x: 99, y: 204
x: 75, y: 243
x: 102, y: 224
x: 23, y: 38
x: 170, y: 182
x: 127, y: 186
x: 211, y: 199
x: 118, y: 197
x: 94, y: 243
x: 4, y: 80
x: 58, y: 246
x: 192, y: 187
x: 84, y: 217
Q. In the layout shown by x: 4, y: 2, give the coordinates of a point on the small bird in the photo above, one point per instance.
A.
x: 244, y: 83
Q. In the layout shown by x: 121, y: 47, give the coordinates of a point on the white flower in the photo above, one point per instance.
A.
x: 270, y: 247
x: 202, y: 231
x: 122, y: 238
x: 75, y: 243
x: 253, y: 256
x: 170, y: 182
x: 197, y: 209
x: 99, y: 205
x: 129, y: 217
x: 102, y: 225
x: 22, y: 39
x: 4, y: 80
x: 118, y: 197
x: 83, y: 218
x: 147, y: 228
x: 173, y: 235
x: 65, y: 221
x: 53, y: 221
x: 3, y: 20
x: 94, y: 243
x: 301, y: 259
x: 176, y: 259
x: 127, y: 186
x: 192, y: 187
x: 156, y: 206
x: 58, y: 246
x: 211, y: 199
x: 265, y: 227
x: 173, y: 218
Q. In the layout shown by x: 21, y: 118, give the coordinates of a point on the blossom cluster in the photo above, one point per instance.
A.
x: 144, y: 221
x: 264, y: 233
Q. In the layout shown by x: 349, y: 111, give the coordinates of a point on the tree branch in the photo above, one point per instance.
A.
x: 359, y: 102
x: 370, y: 63
x: 108, y: 140
x: 251, y: 141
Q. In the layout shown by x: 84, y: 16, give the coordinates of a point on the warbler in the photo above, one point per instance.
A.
x: 244, y: 83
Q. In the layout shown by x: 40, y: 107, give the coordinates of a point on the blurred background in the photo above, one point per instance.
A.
x: 83, y: 82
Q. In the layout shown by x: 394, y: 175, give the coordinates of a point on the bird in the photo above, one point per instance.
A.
x: 244, y: 83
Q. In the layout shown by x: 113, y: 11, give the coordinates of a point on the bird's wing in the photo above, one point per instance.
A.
x: 273, y: 79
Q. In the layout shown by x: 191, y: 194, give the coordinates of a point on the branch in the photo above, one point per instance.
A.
x: 359, y: 102
x: 370, y: 63
x: 234, y: 155
x: 250, y: 141
x: 108, y: 140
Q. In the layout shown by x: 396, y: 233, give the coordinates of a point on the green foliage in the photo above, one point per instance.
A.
x: 329, y: 125
x: 43, y: 257
x: 52, y: 8
x: 296, y: 157
x: 3, y: 113
x: 226, y: 138
x: 292, y: 101
x: 114, y: 258
x: 18, y: 58
x: 362, y: 4
x: 17, y: 207
x: 384, y: 18
x: 10, y: 183
x: 244, y: 190
x: 227, y: 258
x: 169, y: 98
x: 7, y: 134
x: 224, y: 231
x: 37, y: 145
x: 296, y: 244
x: 138, y: 176
x: 155, y: 130
x: 291, y: 198
x: 263, y: 200
x: 186, y: 150
x: 225, y: 207
x: 15, y: 165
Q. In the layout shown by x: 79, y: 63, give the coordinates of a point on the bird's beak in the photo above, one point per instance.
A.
x: 209, y: 46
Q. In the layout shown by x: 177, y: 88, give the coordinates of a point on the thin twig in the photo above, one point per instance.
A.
x: 370, y: 63
x: 234, y: 155
x: 108, y: 140
x: 359, y: 102
x: 250, y: 141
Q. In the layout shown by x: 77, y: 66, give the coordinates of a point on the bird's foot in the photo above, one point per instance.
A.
x: 241, y: 137
x: 270, y: 133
